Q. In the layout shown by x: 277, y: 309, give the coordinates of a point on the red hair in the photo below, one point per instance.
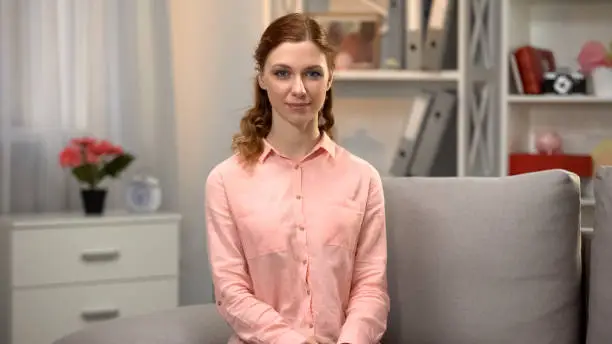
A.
x: 255, y: 125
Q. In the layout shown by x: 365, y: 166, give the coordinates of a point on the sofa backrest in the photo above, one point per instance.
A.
x: 484, y: 260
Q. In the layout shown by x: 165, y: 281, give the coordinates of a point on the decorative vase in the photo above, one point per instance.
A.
x: 93, y: 201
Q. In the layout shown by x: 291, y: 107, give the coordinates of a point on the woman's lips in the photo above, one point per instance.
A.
x: 298, y: 106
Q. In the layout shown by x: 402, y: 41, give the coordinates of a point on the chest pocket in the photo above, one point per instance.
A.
x: 338, y: 224
x: 261, y: 233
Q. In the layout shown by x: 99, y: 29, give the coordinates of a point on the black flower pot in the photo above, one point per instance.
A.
x: 93, y: 201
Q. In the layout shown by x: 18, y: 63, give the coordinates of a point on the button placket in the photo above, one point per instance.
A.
x: 298, y: 212
x: 296, y: 188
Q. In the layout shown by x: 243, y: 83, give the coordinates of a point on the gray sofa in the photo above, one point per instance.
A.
x: 471, y: 260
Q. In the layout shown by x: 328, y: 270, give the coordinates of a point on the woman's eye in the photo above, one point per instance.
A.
x: 281, y: 73
x: 314, y: 74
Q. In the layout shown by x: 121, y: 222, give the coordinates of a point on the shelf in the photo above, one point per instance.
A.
x: 554, y: 99
x: 396, y: 75
x: 559, y: 2
x: 561, y: 26
x: 588, y: 230
x: 587, y: 202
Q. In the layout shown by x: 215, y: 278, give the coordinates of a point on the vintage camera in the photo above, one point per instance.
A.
x: 564, y: 83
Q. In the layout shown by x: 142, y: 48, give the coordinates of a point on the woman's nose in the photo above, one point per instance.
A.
x: 298, y: 86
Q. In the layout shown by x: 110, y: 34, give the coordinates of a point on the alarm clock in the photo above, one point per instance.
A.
x: 144, y: 194
x: 564, y: 83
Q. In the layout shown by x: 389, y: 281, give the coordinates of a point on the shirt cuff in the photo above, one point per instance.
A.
x: 291, y: 337
x: 353, y: 335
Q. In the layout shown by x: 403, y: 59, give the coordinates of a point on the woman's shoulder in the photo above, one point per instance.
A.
x: 227, y: 168
x: 356, y: 163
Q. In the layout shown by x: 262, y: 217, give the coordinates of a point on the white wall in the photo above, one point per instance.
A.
x: 213, y: 44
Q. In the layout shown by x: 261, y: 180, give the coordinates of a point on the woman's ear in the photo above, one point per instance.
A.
x: 330, y: 81
x: 260, y: 81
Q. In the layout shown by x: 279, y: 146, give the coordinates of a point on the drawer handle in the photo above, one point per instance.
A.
x: 99, y: 314
x: 100, y: 254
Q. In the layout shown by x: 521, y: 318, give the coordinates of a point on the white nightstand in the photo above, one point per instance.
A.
x: 61, y: 272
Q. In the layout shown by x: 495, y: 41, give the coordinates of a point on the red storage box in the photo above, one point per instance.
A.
x: 519, y: 163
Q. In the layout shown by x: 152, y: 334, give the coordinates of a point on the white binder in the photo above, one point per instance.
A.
x: 392, y: 41
x: 409, y: 141
x: 414, y: 34
x: 441, y: 111
x: 441, y: 34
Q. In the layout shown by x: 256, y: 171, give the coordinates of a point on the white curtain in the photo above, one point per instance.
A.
x: 82, y: 67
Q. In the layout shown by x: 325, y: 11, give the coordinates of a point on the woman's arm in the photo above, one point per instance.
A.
x: 252, y: 320
x: 368, y: 306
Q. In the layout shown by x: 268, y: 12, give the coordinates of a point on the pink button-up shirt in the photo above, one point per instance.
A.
x: 299, y: 249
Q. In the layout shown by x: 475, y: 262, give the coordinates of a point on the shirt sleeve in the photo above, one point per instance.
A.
x: 251, y: 319
x: 369, y: 303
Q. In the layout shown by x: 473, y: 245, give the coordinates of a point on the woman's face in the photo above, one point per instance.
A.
x: 296, y: 77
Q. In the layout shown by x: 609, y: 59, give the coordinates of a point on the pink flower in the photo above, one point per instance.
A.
x: 105, y: 147
x: 70, y: 157
x: 83, y: 141
x: 592, y: 54
x: 91, y: 157
x: 116, y: 150
x: 100, y: 147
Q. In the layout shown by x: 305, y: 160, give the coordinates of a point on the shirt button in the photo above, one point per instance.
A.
x: 296, y: 167
x: 298, y: 197
x: 304, y: 261
x: 301, y: 228
x: 307, y: 291
x: 311, y: 325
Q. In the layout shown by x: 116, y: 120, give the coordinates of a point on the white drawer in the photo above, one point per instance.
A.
x: 93, y: 253
x: 41, y: 316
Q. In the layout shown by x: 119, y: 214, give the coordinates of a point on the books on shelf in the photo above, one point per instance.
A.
x: 528, y: 64
x: 534, y: 71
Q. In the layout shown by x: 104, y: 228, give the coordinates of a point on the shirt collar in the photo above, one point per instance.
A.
x: 325, y: 143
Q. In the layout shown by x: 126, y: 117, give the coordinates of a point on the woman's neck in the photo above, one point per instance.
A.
x: 291, y: 141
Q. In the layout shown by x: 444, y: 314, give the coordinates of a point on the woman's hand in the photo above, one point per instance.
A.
x: 311, y: 340
x: 318, y: 340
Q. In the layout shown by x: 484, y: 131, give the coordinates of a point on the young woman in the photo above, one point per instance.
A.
x: 295, y: 223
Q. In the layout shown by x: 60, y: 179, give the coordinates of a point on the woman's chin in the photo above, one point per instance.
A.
x: 300, y: 119
x: 299, y: 109
x: 300, y: 112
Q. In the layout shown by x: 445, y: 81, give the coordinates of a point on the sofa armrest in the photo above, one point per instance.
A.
x: 600, y: 294
x: 199, y: 324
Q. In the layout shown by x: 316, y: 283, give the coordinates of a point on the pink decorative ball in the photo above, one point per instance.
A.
x: 549, y: 143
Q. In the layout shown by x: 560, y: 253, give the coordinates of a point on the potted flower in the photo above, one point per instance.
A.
x: 595, y: 61
x: 91, y: 161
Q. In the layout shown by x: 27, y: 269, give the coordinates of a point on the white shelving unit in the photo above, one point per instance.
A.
x: 387, y: 75
x: 580, y: 100
x: 379, y: 99
x: 561, y: 26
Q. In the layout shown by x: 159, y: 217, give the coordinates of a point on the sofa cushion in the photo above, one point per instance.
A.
x: 199, y: 324
x: 484, y: 260
x: 600, y: 284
